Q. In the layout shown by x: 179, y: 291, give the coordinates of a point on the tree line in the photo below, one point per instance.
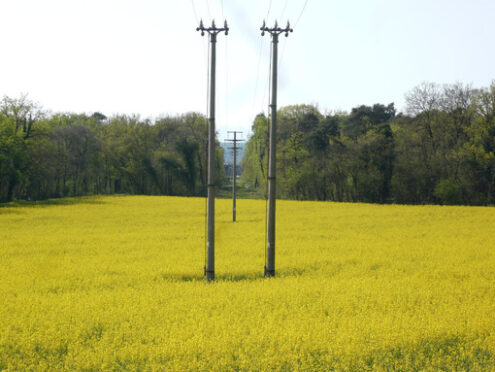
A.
x: 45, y: 155
x: 441, y: 150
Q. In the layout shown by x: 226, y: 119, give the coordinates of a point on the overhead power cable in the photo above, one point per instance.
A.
x: 206, y: 153
x: 269, y: 8
x: 257, y: 78
x: 300, y: 14
x: 258, y: 72
x: 297, y: 21
x: 208, y: 8
x: 203, y: 42
x: 283, y: 10
x: 194, y: 11
x: 267, y: 158
x: 226, y: 120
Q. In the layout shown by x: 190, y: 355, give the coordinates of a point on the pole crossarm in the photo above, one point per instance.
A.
x: 212, y: 30
x: 276, y: 30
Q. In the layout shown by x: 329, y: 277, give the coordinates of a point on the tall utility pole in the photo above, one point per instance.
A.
x: 210, y: 254
x: 272, y: 157
x: 234, y: 171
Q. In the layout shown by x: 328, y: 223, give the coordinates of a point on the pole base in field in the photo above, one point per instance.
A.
x: 210, y: 275
x: 269, y: 273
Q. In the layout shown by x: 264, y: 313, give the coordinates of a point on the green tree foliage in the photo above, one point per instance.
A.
x: 60, y: 155
x: 364, y: 118
x: 441, y: 151
x: 13, y: 159
x: 255, y: 161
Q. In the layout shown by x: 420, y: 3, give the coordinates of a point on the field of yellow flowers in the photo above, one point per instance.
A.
x: 116, y: 283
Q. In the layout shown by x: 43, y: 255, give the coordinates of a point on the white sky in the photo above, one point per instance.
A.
x: 145, y: 56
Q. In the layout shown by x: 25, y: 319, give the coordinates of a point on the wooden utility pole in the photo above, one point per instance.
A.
x: 272, y: 157
x: 210, y: 254
x: 234, y: 171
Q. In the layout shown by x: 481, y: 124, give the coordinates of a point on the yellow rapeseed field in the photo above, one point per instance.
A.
x: 115, y: 283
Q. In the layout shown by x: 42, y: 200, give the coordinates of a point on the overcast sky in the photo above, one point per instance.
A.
x: 145, y: 56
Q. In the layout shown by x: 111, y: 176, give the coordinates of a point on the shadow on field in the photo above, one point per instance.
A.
x: 174, y: 277
x: 11, y: 207
x: 237, y: 277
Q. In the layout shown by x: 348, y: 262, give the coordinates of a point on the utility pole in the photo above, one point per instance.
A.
x: 272, y: 156
x: 234, y: 174
x: 210, y: 254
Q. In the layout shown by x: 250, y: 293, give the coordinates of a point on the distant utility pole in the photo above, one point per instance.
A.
x: 234, y: 174
x: 210, y: 255
x: 272, y: 164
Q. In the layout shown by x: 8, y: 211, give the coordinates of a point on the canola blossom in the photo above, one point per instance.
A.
x: 116, y: 283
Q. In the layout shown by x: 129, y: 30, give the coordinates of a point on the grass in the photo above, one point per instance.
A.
x: 115, y: 283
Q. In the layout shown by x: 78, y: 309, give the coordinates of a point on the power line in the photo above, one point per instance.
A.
x: 226, y: 82
x: 208, y: 8
x: 298, y: 19
x: 206, y: 154
x: 300, y: 14
x: 194, y: 11
x: 208, y: 82
x: 206, y: 52
x: 258, y: 71
x: 257, y: 78
x: 283, y: 53
x: 269, y: 8
x: 284, y: 9
x: 267, y: 89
